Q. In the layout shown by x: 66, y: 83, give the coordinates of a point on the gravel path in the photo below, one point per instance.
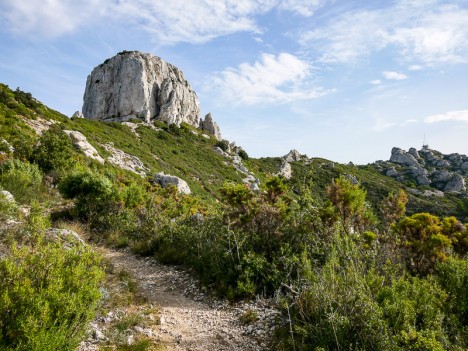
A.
x: 190, y: 320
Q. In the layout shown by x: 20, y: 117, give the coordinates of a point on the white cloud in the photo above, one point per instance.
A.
x: 304, y: 8
x: 49, y: 18
x: 168, y: 22
x: 376, y: 82
x: 390, y: 75
x: 424, y: 31
x: 415, y: 68
x: 461, y: 116
x: 272, y: 79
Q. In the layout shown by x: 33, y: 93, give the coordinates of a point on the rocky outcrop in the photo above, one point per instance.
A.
x: 293, y: 156
x: 125, y: 161
x: 81, y: 143
x: 138, y: 85
x: 164, y: 180
x: 210, y: 126
x: 445, y: 173
x: 285, y: 170
x: 78, y: 114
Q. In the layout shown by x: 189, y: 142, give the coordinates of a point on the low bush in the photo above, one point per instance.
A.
x: 48, y: 294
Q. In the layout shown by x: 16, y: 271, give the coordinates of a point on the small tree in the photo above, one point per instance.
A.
x: 349, y: 202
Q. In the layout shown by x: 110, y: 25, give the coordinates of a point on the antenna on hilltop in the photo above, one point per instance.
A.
x: 425, y: 146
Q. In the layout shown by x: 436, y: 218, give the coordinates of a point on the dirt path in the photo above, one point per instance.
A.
x: 190, y: 320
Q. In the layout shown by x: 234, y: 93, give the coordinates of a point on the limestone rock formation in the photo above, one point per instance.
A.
x: 429, y: 167
x: 285, y: 170
x: 164, y: 180
x: 210, y: 126
x: 125, y: 161
x: 78, y: 114
x: 80, y: 142
x: 138, y: 85
x: 7, y: 196
x: 293, y: 156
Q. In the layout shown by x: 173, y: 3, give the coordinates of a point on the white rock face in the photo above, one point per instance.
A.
x: 80, y: 141
x: 211, y: 127
x: 165, y: 179
x: 137, y: 85
x: 285, y: 170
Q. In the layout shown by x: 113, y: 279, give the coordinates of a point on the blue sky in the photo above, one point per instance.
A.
x: 340, y: 79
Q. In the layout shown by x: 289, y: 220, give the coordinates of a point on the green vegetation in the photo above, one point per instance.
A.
x: 355, y: 265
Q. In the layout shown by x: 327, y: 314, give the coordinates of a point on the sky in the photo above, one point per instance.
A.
x: 340, y: 79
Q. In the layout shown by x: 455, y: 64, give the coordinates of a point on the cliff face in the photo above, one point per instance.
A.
x: 138, y: 85
x: 446, y: 173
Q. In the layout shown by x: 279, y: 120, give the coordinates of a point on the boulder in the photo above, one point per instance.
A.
x: 80, y: 142
x: 455, y: 184
x: 138, y: 85
x: 78, y: 114
x: 211, y: 127
x: 165, y: 179
x: 412, y: 151
x: 402, y: 157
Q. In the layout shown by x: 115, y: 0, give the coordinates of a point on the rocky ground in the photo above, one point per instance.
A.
x: 177, y: 315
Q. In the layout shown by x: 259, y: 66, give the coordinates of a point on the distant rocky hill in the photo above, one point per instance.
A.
x: 427, y: 167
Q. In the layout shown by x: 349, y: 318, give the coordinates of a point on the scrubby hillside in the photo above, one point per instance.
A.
x: 349, y: 267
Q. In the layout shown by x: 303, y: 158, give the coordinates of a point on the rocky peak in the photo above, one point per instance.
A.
x: 293, y: 156
x: 137, y: 85
x: 210, y: 126
x: 429, y: 167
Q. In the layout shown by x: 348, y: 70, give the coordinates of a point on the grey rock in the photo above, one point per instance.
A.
x: 392, y: 172
x: 441, y: 176
x: 78, y: 114
x: 285, y: 170
x: 402, y: 157
x: 293, y: 156
x: 125, y: 161
x: 455, y: 184
x: 211, y: 127
x: 80, y: 141
x: 352, y: 179
x: 464, y: 166
x: 412, y: 151
x: 164, y: 180
x: 134, y: 84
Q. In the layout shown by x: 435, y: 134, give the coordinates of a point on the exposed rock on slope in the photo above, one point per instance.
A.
x: 80, y: 142
x: 166, y: 179
x: 211, y: 127
x: 137, y: 85
x: 428, y: 167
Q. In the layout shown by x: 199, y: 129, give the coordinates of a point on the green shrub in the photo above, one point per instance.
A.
x: 54, y: 150
x: 22, y: 179
x: 48, y: 295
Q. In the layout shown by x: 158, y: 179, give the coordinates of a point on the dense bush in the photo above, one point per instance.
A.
x: 22, y: 179
x: 48, y: 293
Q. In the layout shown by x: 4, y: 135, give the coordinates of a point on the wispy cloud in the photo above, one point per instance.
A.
x: 461, y: 116
x: 429, y: 32
x: 390, y: 75
x: 49, y: 18
x: 168, y: 22
x: 272, y: 79
x: 376, y: 82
